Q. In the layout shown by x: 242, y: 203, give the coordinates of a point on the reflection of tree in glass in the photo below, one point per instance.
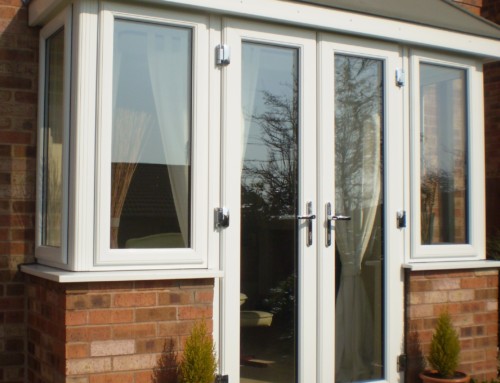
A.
x: 358, y: 110
x: 270, y: 185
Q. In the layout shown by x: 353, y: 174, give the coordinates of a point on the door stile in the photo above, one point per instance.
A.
x: 230, y: 197
x: 326, y: 255
x: 308, y: 178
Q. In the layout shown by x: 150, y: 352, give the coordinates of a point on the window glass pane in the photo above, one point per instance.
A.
x: 151, y: 136
x: 359, y: 244
x: 443, y: 150
x: 269, y: 196
x: 53, y: 141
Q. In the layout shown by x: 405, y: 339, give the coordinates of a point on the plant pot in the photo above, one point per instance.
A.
x: 434, y: 377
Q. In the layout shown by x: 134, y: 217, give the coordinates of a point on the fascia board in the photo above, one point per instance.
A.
x: 318, y: 17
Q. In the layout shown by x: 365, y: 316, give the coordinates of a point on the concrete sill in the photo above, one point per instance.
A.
x: 64, y: 276
x: 452, y: 265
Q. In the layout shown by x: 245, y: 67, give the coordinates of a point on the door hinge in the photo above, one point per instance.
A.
x: 222, y: 54
x: 401, y: 219
x: 400, y: 77
x: 222, y: 379
x: 221, y: 217
x: 402, y: 363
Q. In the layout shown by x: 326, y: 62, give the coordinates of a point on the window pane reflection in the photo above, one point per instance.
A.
x: 151, y: 136
x: 53, y: 141
x: 359, y: 193
x: 443, y: 151
x: 268, y: 209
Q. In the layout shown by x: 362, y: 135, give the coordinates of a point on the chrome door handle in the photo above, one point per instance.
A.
x: 339, y: 218
x: 329, y: 219
x: 309, y: 217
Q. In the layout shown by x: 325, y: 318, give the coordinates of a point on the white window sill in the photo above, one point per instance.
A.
x: 452, y: 265
x: 63, y: 276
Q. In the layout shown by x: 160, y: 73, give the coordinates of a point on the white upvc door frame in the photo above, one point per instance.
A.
x: 394, y: 196
x: 235, y: 32
x: 316, y: 336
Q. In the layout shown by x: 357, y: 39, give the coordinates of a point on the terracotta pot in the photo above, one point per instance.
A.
x: 433, y: 377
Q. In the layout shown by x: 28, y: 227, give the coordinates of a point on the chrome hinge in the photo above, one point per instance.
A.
x: 401, y: 219
x: 222, y: 54
x: 402, y: 362
x: 400, y: 77
x: 221, y: 217
x: 222, y: 379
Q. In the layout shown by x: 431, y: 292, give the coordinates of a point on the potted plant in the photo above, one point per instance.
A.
x: 444, y: 354
x: 198, y: 363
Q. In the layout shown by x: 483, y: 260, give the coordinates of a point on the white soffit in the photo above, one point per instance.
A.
x: 444, y: 14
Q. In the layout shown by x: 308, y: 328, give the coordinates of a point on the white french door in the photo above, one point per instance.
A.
x: 312, y: 256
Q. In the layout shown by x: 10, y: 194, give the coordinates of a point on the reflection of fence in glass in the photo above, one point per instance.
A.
x: 443, y: 162
x: 129, y: 132
x: 53, y: 195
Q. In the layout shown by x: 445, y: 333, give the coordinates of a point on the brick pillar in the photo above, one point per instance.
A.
x: 18, y: 101
x: 491, y: 11
x: 470, y: 297
x: 112, y: 332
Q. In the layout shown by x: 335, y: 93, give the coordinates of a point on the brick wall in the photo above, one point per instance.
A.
x: 473, y: 6
x: 18, y: 98
x: 111, y: 332
x: 471, y: 298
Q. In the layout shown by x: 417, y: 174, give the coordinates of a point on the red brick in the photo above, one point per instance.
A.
x: 110, y: 316
x: 134, y: 299
x: 190, y: 312
x: 126, y: 377
x: 156, y: 314
x: 134, y: 331
x: 77, y: 350
x: 143, y: 377
x: 74, y: 318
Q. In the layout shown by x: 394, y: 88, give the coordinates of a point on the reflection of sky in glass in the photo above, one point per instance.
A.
x: 265, y: 70
x: 132, y: 80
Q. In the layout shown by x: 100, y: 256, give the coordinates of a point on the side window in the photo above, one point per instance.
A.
x: 152, y: 139
x: 446, y: 130
x: 53, y: 140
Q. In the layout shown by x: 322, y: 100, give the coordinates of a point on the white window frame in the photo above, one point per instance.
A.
x: 49, y: 254
x: 475, y: 249
x: 197, y: 255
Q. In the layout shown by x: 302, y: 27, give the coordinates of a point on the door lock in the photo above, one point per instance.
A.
x: 221, y: 217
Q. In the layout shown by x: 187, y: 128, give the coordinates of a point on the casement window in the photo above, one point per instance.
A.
x: 53, y: 139
x: 153, y: 137
x: 447, y: 169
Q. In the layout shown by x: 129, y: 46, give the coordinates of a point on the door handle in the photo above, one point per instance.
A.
x: 309, y: 217
x: 329, y: 219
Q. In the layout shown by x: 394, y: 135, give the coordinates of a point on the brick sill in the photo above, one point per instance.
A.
x: 452, y: 265
x: 63, y: 276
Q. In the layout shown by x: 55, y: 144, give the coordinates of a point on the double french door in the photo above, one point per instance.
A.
x: 312, y: 172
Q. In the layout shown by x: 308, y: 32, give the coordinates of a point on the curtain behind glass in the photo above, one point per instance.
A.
x: 358, y: 183
x: 53, y: 140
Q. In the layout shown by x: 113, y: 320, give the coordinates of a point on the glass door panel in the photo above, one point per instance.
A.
x: 268, y: 214
x: 359, y: 194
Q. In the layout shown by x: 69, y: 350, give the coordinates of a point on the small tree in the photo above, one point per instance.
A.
x: 198, y: 363
x: 445, y: 347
